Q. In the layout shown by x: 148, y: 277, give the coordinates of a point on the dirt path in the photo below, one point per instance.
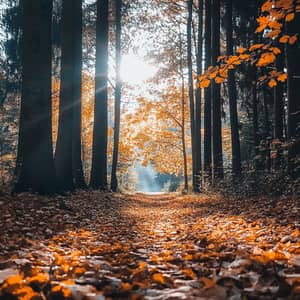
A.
x: 149, y: 246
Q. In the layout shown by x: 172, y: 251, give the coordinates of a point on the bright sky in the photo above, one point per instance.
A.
x: 135, y: 71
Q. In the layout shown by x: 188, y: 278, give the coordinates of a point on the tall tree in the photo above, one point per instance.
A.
x: 183, y: 109
x: 198, y: 148
x: 114, y: 180
x: 216, y: 96
x: 99, y: 156
x: 279, y: 101
x: 207, y: 92
x: 191, y: 87
x: 293, y: 95
x: 232, y: 95
x: 35, y: 167
x: 68, y: 161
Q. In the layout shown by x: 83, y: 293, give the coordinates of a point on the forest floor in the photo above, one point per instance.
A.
x: 169, y: 246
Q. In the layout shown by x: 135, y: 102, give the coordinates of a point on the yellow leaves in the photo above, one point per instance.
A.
x: 255, y: 47
x: 272, y: 83
x: 12, y: 280
x: 288, y: 39
x: 126, y: 287
x: 159, y: 278
x: 188, y: 272
x: 263, y: 23
x: 245, y: 57
x: 293, y: 39
x: 61, y: 290
x: 266, y: 6
x: 40, y: 279
x: 188, y: 257
x: 219, y: 80
x: 284, y: 39
x: 142, y: 265
x: 223, y: 72
x: 275, y: 50
x: 267, y: 256
x: 282, y: 77
x: 241, y: 50
x: 204, y: 83
x: 290, y: 17
x: 25, y: 293
x: 266, y: 59
x: 213, y: 74
x: 233, y: 60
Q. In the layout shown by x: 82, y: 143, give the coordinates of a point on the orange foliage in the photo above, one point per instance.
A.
x: 274, y: 14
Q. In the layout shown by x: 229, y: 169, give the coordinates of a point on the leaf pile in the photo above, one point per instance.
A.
x: 112, y: 246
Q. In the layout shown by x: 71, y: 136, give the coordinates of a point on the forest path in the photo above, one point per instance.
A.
x: 164, y: 246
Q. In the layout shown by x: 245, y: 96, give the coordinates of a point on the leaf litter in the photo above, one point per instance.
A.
x: 115, y: 246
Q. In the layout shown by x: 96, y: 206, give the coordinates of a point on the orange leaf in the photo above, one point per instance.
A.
x: 282, y: 77
x: 159, y: 278
x: 255, y: 47
x: 219, y: 79
x: 272, y: 83
x: 293, y: 39
x: 276, y: 50
x: 284, y: 39
x: 266, y: 59
x: 208, y: 283
x: 290, y: 17
x: 266, y: 6
x: 241, y: 50
x: 204, y: 83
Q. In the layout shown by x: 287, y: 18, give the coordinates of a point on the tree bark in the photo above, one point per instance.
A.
x: 198, y: 147
x: 279, y: 102
x: 191, y: 88
x: 77, y: 156
x: 232, y: 95
x: 293, y: 95
x: 35, y: 166
x: 99, y: 156
x: 207, y: 93
x: 183, y: 140
x: 255, y: 112
x: 68, y: 160
x: 216, y: 96
x: 114, y: 180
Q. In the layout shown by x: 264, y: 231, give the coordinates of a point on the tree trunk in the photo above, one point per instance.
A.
x: 68, y: 161
x: 114, y: 180
x: 278, y: 102
x: 99, y: 156
x: 255, y: 113
x: 35, y: 166
x: 293, y: 94
x: 183, y: 141
x: 216, y: 96
x: 77, y: 156
x: 191, y: 88
x: 198, y: 148
x: 232, y: 95
x: 207, y: 93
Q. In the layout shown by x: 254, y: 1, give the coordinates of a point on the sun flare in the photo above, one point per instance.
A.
x: 135, y: 71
